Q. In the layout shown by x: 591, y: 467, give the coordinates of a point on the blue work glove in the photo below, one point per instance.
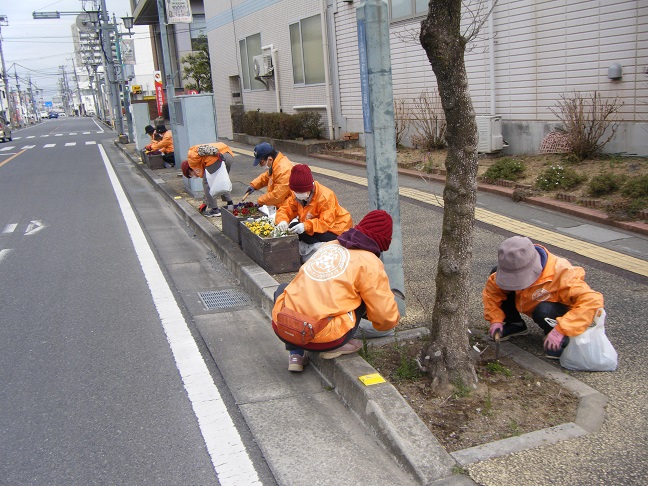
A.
x: 298, y: 229
x: 554, y: 339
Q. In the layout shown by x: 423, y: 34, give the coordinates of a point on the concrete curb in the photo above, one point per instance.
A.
x: 381, y: 407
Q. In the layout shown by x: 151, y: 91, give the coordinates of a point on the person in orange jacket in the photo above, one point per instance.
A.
x: 165, y: 146
x: 343, y: 281
x: 275, y: 178
x: 208, y: 157
x: 321, y: 218
x: 531, y: 280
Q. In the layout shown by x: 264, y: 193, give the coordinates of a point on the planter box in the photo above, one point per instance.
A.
x: 232, y: 225
x: 154, y: 162
x: 274, y: 255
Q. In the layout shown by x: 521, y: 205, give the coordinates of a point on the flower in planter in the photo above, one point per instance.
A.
x: 265, y: 228
x: 246, y: 209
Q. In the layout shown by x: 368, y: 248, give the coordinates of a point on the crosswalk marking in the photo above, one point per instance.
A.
x: 48, y: 145
x: 31, y: 136
x: 6, y: 149
x: 27, y: 147
x: 91, y: 142
x: 70, y: 144
x: 10, y: 228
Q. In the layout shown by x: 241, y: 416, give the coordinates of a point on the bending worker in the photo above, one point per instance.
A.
x: 342, y: 282
x: 275, y: 178
x: 165, y: 145
x: 321, y: 218
x: 530, y: 279
x: 209, y: 157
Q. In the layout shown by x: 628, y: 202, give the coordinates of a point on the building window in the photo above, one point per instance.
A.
x: 306, y: 50
x: 197, y: 31
x: 405, y: 9
x: 250, y: 47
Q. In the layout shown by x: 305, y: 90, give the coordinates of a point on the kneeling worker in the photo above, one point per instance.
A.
x: 208, y: 157
x: 321, y: 218
x: 342, y: 282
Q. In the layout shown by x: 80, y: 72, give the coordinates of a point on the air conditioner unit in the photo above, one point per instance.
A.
x: 262, y: 65
x: 489, y: 130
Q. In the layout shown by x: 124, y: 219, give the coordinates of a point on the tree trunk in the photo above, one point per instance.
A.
x: 447, y: 359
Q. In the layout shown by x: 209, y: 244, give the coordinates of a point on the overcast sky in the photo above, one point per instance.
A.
x: 36, y: 48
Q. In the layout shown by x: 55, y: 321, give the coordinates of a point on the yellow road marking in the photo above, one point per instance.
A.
x: 12, y: 157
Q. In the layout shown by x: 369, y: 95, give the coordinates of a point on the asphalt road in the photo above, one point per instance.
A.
x: 93, y: 389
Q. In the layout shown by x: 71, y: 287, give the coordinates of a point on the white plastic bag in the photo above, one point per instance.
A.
x: 592, y: 350
x: 219, y: 182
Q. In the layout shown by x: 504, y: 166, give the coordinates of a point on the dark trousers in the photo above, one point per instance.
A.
x: 551, y: 310
x: 169, y: 158
x: 359, y: 314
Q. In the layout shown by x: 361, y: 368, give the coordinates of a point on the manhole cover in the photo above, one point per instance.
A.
x: 222, y: 299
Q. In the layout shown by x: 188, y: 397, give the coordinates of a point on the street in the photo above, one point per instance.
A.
x: 93, y: 387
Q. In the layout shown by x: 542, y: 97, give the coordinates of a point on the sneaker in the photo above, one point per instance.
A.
x: 351, y: 347
x: 549, y: 354
x: 212, y: 212
x: 513, y: 329
x: 296, y: 362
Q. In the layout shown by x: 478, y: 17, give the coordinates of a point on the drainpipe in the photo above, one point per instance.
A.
x: 327, y: 81
x: 275, y: 72
x: 491, y: 57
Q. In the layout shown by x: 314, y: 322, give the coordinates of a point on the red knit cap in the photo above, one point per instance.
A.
x: 301, y: 178
x: 185, y: 169
x: 378, y: 226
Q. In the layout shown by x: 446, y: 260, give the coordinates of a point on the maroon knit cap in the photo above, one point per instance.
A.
x: 378, y: 226
x: 301, y: 179
x: 185, y: 169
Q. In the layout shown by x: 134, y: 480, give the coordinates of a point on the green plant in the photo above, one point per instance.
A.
x: 558, y: 177
x: 604, y: 183
x: 636, y: 187
x: 197, y: 66
x: 488, y: 404
x: 515, y: 428
x: 461, y: 390
x: 307, y: 124
x: 407, y: 369
x: 586, y: 119
x: 506, y: 168
x: 496, y: 367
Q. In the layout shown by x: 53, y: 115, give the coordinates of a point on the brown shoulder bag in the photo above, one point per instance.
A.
x: 296, y: 328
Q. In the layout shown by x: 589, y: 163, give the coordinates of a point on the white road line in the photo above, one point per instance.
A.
x: 86, y: 133
x: 10, y: 228
x: 226, y: 449
x: 44, y: 136
x: 17, y: 138
x: 31, y: 136
x: 48, y: 145
x: 27, y: 147
x: 4, y: 253
x: 70, y: 144
x: 58, y: 135
x: 91, y: 142
x: 34, y: 227
x: 73, y: 133
x: 6, y: 149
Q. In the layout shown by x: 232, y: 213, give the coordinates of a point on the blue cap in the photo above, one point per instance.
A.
x: 262, y: 151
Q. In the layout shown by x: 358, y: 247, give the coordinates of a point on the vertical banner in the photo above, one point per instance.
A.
x: 178, y: 12
x: 159, y: 91
x: 128, y: 51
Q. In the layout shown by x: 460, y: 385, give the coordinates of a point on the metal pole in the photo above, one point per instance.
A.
x: 129, y: 118
x: 164, y: 41
x: 380, y: 137
x: 12, y: 116
x: 112, y: 86
x: 19, y: 97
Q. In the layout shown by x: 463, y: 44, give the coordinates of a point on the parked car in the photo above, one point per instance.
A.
x: 44, y: 114
x: 62, y: 114
x: 5, y: 130
x: 53, y: 114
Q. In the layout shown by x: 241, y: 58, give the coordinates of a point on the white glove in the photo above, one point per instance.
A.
x: 282, y: 226
x: 298, y: 229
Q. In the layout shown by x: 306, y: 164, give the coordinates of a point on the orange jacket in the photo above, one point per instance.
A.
x: 276, y: 178
x: 559, y: 282
x: 323, y: 213
x: 333, y: 283
x: 199, y: 162
x: 165, y: 145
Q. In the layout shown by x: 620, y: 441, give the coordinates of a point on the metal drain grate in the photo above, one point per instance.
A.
x: 222, y: 299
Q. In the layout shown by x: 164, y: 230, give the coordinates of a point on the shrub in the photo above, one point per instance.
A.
x: 506, y: 168
x: 636, y: 187
x: 558, y: 177
x: 283, y: 126
x: 585, y: 120
x: 429, y: 122
x: 604, y: 183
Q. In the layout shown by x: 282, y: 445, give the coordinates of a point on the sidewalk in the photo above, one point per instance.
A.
x: 384, y: 411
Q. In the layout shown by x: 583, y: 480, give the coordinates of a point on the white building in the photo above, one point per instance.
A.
x: 529, y: 53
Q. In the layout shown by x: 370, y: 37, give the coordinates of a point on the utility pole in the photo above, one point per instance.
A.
x: 12, y: 117
x: 18, y: 91
x: 166, y: 55
x: 122, y: 77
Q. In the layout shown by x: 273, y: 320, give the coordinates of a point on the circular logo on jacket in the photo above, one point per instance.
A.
x: 541, y: 295
x: 329, y: 262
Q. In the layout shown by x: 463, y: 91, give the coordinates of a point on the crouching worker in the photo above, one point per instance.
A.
x: 321, y: 218
x: 208, y: 157
x: 531, y: 280
x: 343, y: 281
